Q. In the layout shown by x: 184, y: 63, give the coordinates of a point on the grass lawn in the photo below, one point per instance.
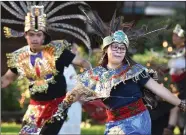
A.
x: 13, y: 129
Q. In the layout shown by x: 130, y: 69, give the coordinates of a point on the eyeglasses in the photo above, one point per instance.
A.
x: 115, y: 47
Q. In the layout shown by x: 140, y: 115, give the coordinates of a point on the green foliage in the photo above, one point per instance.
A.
x: 149, y: 56
x: 155, y: 40
x: 10, y: 98
x: 157, y: 62
x: 93, y: 130
x: 16, y: 96
x: 12, y: 128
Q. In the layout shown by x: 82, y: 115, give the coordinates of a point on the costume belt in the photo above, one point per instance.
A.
x: 48, y: 109
x: 126, y: 111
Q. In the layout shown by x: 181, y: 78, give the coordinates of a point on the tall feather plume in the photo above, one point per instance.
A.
x: 23, y: 5
x: 45, y: 3
x: 17, y: 8
x: 9, y: 21
x: 118, y: 23
x: 97, y: 25
x: 112, y: 22
x: 134, y: 34
x: 40, y: 3
x: 61, y: 27
x: 100, y: 22
x: 61, y: 6
x: 127, y: 26
x: 73, y: 34
x: 12, y: 11
x: 68, y: 26
x: 65, y: 17
x: 28, y: 5
x: 49, y: 6
x: 33, y: 3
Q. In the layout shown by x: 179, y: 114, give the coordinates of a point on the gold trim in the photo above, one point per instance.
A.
x: 44, y: 66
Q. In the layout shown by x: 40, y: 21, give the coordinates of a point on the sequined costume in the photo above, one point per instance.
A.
x: 119, y: 92
x: 44, y: 69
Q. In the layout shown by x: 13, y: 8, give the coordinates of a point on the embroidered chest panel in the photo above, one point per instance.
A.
x: 39, y: 68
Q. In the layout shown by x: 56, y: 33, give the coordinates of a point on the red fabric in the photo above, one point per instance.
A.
x: 96, y: 109
x: 50, y: 107
x: 177, y: 78
x: 38, y: 73
x: 126, y: 111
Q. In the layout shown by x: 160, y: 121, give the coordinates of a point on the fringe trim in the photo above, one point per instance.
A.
x: 103, y: 91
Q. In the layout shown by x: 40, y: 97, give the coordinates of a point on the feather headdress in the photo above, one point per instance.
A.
x: 41, y: 17
x: 116, y: 30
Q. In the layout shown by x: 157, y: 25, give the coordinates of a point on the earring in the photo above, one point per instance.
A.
x: 101, y: 60
x: 127, y: 61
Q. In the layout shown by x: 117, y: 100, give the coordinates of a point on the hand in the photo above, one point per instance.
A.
x: 86, y: 64
x: 4, y: 82
x: 81, y: 62
x: 71, y: 97
x: 8, y: 78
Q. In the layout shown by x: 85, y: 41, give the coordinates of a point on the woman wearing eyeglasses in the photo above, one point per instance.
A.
x: 118, y: 82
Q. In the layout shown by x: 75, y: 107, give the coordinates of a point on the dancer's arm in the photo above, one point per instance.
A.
x: 81, y: 62
x: 8, y: 78
x: 162, y: 92
x: 79, y: 93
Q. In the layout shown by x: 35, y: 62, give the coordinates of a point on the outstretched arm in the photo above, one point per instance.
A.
x: 79, y: 93
x: 81, y: 62
x: 163, y: 92
x: 8, y: 78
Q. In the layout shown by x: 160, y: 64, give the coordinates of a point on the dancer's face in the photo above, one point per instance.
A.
x: 178, y: 41
x: 116, y: 53
x: 35, y: 39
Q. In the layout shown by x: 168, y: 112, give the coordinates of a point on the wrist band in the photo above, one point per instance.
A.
x: 182, y: 105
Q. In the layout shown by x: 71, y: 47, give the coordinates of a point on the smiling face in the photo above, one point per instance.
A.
x: 116, y: 53
x: 35, y: 39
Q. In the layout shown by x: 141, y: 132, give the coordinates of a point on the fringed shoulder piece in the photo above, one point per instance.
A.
x: 13, y: 58
x: 60, y: 46
x: 102, y: 80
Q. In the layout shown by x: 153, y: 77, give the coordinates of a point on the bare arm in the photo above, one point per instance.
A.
x: 81, y: 62
x: 8, y: 78
x: 162, y: 92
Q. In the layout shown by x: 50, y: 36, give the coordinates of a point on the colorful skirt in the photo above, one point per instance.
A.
x: 38, y: 113
x: 132, y: 119
x: 139, y: 124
